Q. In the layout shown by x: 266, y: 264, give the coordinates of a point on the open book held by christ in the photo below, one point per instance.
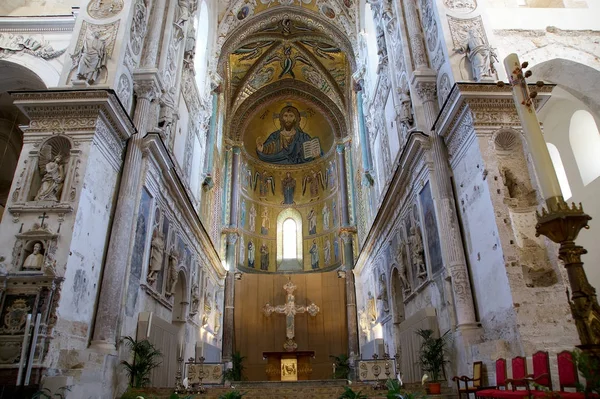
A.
x: 311, y: 148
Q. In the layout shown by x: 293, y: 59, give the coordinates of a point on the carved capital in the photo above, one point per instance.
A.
x: 147, y: 85
x: 427, y: 91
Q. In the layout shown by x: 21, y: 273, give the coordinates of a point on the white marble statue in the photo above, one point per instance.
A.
x: 156, y: 256
x: 481, y: 55
x: 53, y: 175
x: 91, y: 58
x: 35, y: 260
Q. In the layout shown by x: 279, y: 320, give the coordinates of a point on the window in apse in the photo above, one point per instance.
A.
x: 289, y: 239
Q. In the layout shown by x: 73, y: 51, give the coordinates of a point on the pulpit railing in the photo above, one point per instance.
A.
x: 192, y: 376
x: 377, y: 370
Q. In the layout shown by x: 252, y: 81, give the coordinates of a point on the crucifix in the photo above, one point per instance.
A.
x: 43, y: 217
x: 290, y: 309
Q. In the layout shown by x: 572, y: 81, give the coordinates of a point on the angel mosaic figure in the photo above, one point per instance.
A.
x: 264, y: 183
x: 313, y: 180
x: 53, y: 175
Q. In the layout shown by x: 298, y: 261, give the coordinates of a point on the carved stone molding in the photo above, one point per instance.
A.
x: 13, y: 44
x: 73, y: 112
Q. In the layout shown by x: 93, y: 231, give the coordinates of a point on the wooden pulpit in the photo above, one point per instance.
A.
x: 288, y: 366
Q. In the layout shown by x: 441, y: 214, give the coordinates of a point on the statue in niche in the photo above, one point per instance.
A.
x: 383, y: 294
x: 406, y: 114
x: 91, y: 58
x: 266, y: 222
x: 363, y: 322
x: 184, y: 12
x: 195, y: 299
x: 35, y: 259
x: 157, y: 248
x: 312, y: 222
x: 381, y: 45
x: 207, y: 308
x: 288, y: 186
x: 289, y: 145
x: 371, y: 308
x: 217, y: 319
x: 327, y: 251
x: 264, y: 257
x: 325, y: 213
x: 53, y: 175
x: 252, y: 218
x: 481, y: 55
x: 251, y: 254
x: 517, y: 189
x: 173, y: 274
x: 403, y: 271
x: 314, y: 255
x: 417, y: 251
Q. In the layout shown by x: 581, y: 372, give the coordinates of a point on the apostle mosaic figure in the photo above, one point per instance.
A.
x: 264, y: 257
x: 242, y: 250
x: 243, y: 214
x: 288, y: 185
x: 327, y: 251
x: 266, y: 223
x: 312, y: 222
x: 325, y: 213
x: 252, y: 218
x: 35, y: 259
x: 336, y: 249
x: 314, y: 255
x: 91, y: 58
x: 288, y: 145
x: 251, y: 254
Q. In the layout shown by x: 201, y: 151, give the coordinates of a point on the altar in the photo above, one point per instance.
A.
x: 288, y: 366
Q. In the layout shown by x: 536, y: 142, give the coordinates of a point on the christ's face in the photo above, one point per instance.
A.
x: 288, y: 119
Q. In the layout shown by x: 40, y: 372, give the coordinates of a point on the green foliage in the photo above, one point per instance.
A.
x: 145, y: 359
x: 350, y: 394
x: 432, y: 353
x: 395, y: 391
x: 47, y: 394
x: 589, y: 367
x: 342, y: 366
x: 237, y: 368
x: 232, y: 394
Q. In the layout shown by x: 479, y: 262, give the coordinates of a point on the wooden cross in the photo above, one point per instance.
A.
x: 290, y: 309
x: 43, y: 217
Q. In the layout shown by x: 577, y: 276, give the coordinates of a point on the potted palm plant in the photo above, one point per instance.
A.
x: 432, y: 357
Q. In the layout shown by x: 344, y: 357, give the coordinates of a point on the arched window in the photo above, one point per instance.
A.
x: 585, y: 142
x: 289, y: 239
x: 200, y: 60
x: 560, y: 171
x: 371, y: 36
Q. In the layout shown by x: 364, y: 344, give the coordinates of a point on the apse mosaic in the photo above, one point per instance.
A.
x: 249, y: 8
x: 288, y: 133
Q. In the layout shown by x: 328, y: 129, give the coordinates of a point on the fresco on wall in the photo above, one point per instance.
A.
x: 288, y: 133
x: 431, y: 229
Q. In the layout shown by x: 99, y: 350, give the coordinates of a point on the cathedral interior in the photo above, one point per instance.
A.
x: 304, y: 179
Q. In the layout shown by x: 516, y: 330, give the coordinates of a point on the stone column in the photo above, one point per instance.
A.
x: 212, y: 131
x: 114, y: 276
x: 154, y: 36
x: 346, y: 233
x: 453, y: 252
x: 367, y: 179
x: 415, y: 34
x: 228, y: 314
x: 235, y: 187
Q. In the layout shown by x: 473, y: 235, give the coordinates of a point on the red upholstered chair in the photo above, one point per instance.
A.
x: 567, y: 371
x: 541, y: 369
x: 519, y: 382
x: 500, y: 381
x: 476, y: 381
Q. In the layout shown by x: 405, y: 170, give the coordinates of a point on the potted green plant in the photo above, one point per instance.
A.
x: 588, y: 367
x: 235, y: 372
x: 350, y: 394
x: 342, y: 366
x: 145, y: 359
x: 396, y: 391
x: 432, y: 357
x: 232, y: 395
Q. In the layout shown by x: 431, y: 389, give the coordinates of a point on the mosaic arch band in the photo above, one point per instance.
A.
x: 288, y: 145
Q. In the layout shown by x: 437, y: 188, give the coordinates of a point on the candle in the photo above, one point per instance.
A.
x: 531, y: 128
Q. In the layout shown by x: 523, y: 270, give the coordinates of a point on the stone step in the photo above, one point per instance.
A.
x: 328, y: 389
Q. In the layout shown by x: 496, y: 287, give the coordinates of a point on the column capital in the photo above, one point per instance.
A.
x: 147, y: 84
x: 425, y: 83
x: 233, y: 144
x: 231, y: 235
